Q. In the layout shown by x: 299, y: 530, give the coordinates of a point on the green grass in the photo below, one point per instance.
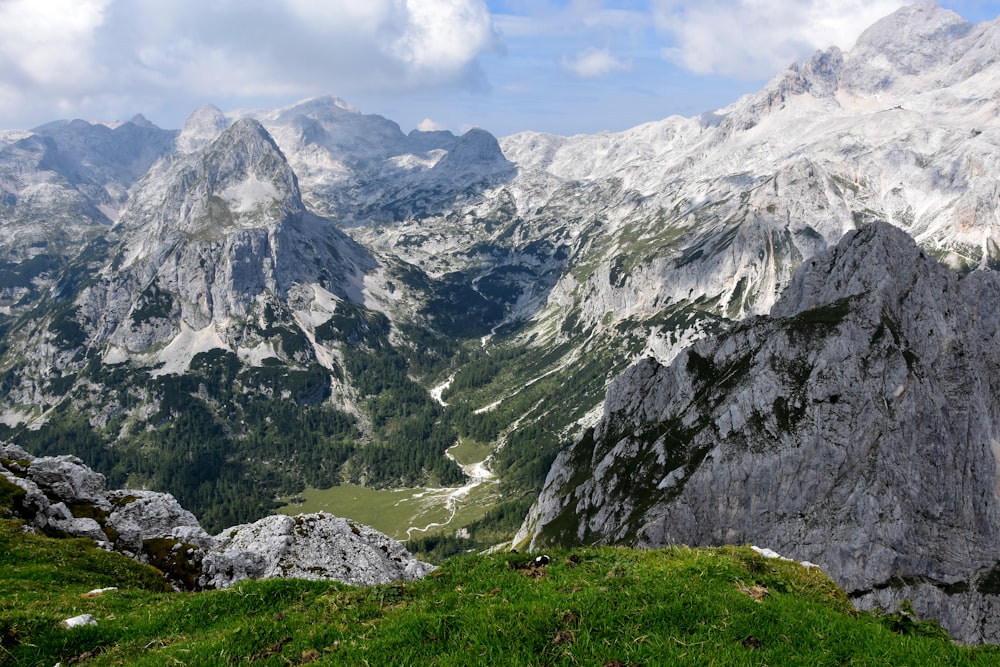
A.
x: 469, y: 451
x: 590, y: 606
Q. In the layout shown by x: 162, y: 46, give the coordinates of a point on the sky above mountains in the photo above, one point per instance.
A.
x: 561, y: 66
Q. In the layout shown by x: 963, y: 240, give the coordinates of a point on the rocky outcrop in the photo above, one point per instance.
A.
x: 139, y: 516
x: 856, y: 427
x: 60, y: 495
x: 309, y: 546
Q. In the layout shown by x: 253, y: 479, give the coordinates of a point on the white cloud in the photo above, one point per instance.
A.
x: 428, y: 125
x: 49, y: 43
x: 594, y: 63
x: 92, y: 56
x: 758, y: 38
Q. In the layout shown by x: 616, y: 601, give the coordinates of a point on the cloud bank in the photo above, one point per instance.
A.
x: 563, y: 66
x: 79, y: 55
x: 756, y: 39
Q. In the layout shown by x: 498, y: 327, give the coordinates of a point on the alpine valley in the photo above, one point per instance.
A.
x: 269, y: 301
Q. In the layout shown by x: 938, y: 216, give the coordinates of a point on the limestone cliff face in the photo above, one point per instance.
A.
x: 856, y: 427
x: 208, y: 235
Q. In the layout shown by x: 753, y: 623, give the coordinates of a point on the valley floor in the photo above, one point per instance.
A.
x: 404, y: 514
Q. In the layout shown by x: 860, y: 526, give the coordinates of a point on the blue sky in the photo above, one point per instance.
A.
x: 561, y: 66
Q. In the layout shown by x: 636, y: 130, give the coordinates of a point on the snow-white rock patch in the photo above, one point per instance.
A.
x: 769, y: 553
x: 79, y: 621
x: 176, y: 356
x: 250, y: 195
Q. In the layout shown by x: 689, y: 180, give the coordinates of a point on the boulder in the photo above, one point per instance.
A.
x: 309, y: 546
x: 154, y: 528
x: 69, y: 480
x: 144, y: 515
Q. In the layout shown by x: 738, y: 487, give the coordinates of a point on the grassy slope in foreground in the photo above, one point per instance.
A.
x: 591, y: 606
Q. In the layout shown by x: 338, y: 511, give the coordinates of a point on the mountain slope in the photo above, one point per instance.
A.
x: 855, y: 427
x: 61, y: 185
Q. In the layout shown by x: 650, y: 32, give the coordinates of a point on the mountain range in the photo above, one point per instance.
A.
x: 268, y: 300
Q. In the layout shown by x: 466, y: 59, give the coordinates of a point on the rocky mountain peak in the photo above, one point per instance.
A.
x: 914, y: 25
x: 822, y: 72
x: 475, y: 151
x: 205, y: 235
x: 855, y: 427
x: 201, y: 128
x: 914, y: 40
x: 244, y: 153
x: 858, y: 265
x: 241, y: 179
x: 325, y: 108
x: 339, y: 130
x: 426, y: 140
x: 141, y: 121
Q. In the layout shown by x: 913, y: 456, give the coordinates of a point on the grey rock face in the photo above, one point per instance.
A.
x: 68, y: 479
x: 208, y: 234
x: 144, y: 515
x: 909, y: 41
x: 478, y: 152
x: 309, y: 546
x: 65, y: 182
x: 856, y: 427
x: 966, y: 614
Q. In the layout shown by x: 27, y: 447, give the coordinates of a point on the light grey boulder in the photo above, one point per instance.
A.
x: 51, y: 485
x: 309, y: 546
x: 154, y: 528
x: 35, y: 507
x: 144, y: 515
x: 67, y: 478
x: 60, y: 518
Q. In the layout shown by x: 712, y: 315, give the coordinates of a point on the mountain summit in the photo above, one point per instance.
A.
x: 855, y: 427
x: 208, y: 235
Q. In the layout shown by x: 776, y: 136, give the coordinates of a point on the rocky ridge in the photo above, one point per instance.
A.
x: 60, y: 495
x: 855, y: 427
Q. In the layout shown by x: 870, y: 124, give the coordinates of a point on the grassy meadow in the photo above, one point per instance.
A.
x: 589, y: 606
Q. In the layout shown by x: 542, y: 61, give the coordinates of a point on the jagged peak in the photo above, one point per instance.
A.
x: 247, y: 130
x: 242, y: 169
x: 141, y: 121
x: 201, y: 127
x: 246, y: 147
x: 476, y: 149
x: 912, y: 25
x: 914, y: 40
x: 878, y: 260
